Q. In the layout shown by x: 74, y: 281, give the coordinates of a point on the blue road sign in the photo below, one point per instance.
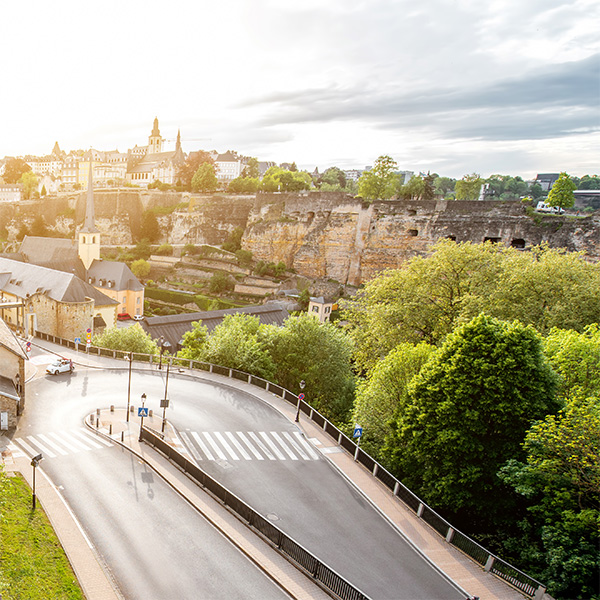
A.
x: 300, y: 396
x: 142, y: 412
x: 357, y: 432
x: 78, y: 340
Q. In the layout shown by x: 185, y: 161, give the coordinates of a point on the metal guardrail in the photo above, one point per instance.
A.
x: 490, y: 562
x: 300, y: 556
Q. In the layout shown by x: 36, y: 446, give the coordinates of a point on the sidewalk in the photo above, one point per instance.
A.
x: 450, y: 561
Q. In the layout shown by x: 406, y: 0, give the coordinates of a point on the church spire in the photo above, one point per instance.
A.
x: 178, y: 143
x: 154, y: 140
x: 89, y: 224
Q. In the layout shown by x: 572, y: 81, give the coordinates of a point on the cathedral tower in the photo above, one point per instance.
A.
x: 155, y: 141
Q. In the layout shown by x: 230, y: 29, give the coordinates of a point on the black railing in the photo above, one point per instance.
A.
x: 525, y: 584
x: 310, y: 564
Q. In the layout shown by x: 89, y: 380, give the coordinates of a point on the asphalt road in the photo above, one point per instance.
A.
x: 246, y: 445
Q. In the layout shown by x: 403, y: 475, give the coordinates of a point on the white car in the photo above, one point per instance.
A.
x: 63, y: 365
x: 138, y: 317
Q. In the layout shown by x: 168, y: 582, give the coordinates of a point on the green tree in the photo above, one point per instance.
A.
x: 244, y: 185
x: 190, y: 167
x: 333, y: 179
x: 220, y: 282
x: 14, y: 169
x: 149, y: 227
x: 277, y: 179
x: 468, y: 410
x: 413, y: 189
x: 29, y: 182
x: 561, y: 479
x: 140, y: 268
x: 320, y: 354
x: 127, y: 339
x: 380, y: 182
x: 205, y: 179
x: 165, y: 250
x: 234, y: 240
x: 469, y: 187
x: 443, y: 185
x: 429, y: 296
x: 561, y: 194
x: 589, y: 182
x: 251, y: 169
x: 38, y: 227
x: 237, y: 342
x: 576, y: 358
x: 384, y: 392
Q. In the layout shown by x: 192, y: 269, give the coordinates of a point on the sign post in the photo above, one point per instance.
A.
x: 358, y: 431
x: 142, y: 412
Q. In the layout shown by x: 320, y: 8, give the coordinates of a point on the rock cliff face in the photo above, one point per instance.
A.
x: 321, y: 235
x: 337, y: 237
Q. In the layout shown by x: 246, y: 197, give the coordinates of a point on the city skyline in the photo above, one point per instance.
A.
x: 449, y: 88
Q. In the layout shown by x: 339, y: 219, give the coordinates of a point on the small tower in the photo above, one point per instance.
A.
x: 89, y: 236
x: 155, y: 141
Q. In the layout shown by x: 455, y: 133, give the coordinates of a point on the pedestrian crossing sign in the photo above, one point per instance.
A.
x: 142, y: 412
x: 357, y: 431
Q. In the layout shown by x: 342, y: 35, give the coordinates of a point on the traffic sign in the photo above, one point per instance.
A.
x: 301, y: 396
x: 28, y: 347
x: 164, y: 403
x: 142, y: 411
x: 77, y: 340
x: 357, y: 431
x: 89, y: 330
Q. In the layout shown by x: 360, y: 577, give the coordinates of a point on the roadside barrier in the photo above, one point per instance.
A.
x: 490, y: 563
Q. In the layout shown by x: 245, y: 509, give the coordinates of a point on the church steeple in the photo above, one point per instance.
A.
x: 89, y: 236
x: 178, y: 143
x: 155, y: 141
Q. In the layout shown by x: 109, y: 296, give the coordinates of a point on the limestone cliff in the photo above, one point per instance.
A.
x: 336, y: 236
x: 321, y: 235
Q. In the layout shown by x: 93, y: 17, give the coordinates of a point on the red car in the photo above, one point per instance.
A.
x: 123, y: 317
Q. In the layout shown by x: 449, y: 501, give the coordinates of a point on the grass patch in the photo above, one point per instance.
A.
x: 33, y: 564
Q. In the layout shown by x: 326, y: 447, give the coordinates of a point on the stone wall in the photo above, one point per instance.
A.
x: 340, y: 238
x: 66, y: 320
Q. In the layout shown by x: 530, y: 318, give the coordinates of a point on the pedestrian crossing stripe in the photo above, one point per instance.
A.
x: 248, y: 445
x: 53, y: 444
x: 226, y: 446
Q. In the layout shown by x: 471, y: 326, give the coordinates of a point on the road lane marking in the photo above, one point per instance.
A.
x: 214, y: 445
x: 41, y: 446
x: 226, y: 445
x: 238, y: 446
x: 48, y: 441
x: 261, y: 445
x: 96, y: 437
x: 304, y: 444
x: 26, y: 446
x: 16, y: 451
x: 248, y: 443
x: 94, y: 443
x: 272, y: 445
x: 203, y: 446
x: 190, y: 445
x: 297, y: 448
x: 63, y: 442
x: 74, y: 440
x: 284, y: 445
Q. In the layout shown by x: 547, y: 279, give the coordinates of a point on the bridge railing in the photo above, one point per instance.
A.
x: 490, y: 562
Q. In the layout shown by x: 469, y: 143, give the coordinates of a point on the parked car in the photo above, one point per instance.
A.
x: 63, y: 365
x: 123, y: 317
x: 138, y: 317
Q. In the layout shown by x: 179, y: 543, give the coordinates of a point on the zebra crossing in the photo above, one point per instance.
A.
x: 54, y: 444
x: 248, y: 445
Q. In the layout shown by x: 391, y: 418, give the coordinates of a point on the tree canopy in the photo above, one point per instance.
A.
x: 14, y: 169
x: 127, y: 339
x: 428, y: 297
x: 561, y: 194
x: 277, y: 179
x: 190, y: 166
x: 469, y: 187
x: 467, y: 410
x: 380, y: 182
x: 205, y: 179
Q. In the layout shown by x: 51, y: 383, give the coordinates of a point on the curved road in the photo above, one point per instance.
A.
x: 246, y: 445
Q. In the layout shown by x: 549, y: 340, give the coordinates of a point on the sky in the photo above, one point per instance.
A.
x: 446, y: 86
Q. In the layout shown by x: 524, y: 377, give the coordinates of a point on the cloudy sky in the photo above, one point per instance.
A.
x: 447, y: 86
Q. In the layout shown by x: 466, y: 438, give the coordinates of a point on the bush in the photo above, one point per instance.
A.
x: 165, y: 250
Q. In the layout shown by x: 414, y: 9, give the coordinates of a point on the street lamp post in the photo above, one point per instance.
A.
x: 34, y: 463
x: 162, y: 342
x: 129, y: 386
x: 300, y: 398
x: 142, y: 417
x: 165, y: 403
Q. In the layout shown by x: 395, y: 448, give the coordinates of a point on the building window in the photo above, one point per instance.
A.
x: 315, y: 309
x: 124, y: 300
